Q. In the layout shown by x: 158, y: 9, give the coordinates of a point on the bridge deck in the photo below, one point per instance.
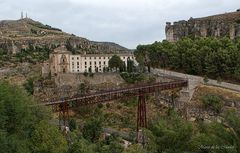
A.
x: 104, y: 96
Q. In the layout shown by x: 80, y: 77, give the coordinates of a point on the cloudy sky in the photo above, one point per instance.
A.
x: 126, y: 22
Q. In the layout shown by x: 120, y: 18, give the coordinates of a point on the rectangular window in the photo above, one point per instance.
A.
x: 90, y: 63
x: 72, y: 58
x: 77, y: 58
x: 94, y: 57
x: 99, y: 57
x: 95, y: 63
x: 104, y: 62
x: 124, y: 57
x: 103, y: 57
x: 72, y: 63
x: 85, y: 58
x: 77, y: 63
x: 85, y: 63
x: 99, y: 62
x: 90, y: 58
x: 78, y: 67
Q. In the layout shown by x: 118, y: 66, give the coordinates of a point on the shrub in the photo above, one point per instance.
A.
x: 85, y: 74
x: 214, y: 102
x: 28, y: 85
x: 91, y: 74
x: 205, y: 79
x: 72, y: 124
x: 132, y: 77
x: 108, y: 105
x: 100, y: 105
x: 119, y: 106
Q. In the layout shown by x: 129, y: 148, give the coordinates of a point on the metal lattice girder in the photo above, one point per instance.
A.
x: 105, y: 96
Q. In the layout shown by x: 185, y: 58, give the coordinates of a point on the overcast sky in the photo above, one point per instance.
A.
x: 126, y: 22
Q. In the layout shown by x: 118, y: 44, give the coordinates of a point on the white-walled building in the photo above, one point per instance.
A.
x: 63, y: 61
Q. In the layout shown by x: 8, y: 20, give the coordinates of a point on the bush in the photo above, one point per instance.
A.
x: 85, y: 74
x: 28, y: 85
x: 108, y: 105
x: 91, y: 74
x: 100, y: 105
x: 205, y: 79
x: 119, y: 107
x: 72, y: 124
x: 92, y: 129
x: 132, y: 77
x: 214, y: 102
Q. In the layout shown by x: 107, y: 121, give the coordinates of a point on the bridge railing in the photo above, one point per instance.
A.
x: 103, y: 96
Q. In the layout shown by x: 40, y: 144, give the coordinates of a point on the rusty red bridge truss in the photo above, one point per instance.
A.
x: 62, y: 105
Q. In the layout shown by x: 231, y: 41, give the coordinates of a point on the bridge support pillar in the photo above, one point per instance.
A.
x: 63, y: 114
x: 141, y: 118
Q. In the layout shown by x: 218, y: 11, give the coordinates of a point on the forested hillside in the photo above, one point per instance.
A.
x: 217, y: 58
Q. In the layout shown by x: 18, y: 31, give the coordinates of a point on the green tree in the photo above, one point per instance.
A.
x: 214, y: 57
x: 19, y: 118
x: 172, y: 133
x: 110, y: 144
x: 232, y: 123
x: 92, y: 129
x: 81, y: 146
x: 130, y: 66
x: 214, y: 137
x: 47, y: 138
x: 82, y: 88
x: 115, y: 62
x: 28, y: 85
x: 72, y: 124
x: 136, y: 148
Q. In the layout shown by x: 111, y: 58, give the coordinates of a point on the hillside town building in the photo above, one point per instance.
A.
x: 63, y: 61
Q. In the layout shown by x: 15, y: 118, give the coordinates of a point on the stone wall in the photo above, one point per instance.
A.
x: 227, y: 24
x: 98, y: 78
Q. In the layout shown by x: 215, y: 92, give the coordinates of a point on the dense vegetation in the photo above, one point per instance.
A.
x: 24, y: 128
x: 132, y: 77
x: 173, y: 134
x: 217, y: 58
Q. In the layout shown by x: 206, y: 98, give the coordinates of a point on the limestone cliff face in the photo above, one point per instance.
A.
x: 227, y: 24
x: 20, y: 34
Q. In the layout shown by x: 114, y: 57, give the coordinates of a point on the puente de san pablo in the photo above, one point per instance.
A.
x: 63, y: 104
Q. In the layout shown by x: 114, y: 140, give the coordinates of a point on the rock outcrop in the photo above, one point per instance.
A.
x: 20, y: 34
x: 221, y: 25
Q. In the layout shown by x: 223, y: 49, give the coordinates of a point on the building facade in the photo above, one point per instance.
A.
x: 63, y: 61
